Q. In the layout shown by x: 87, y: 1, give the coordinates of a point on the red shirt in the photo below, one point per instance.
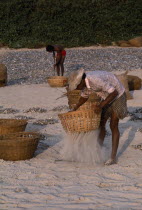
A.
x: 63, y: 53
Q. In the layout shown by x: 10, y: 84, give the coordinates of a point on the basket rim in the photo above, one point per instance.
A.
x: 78, y: 92
x: 57, y: 77
x: 77, y: 111
x: 10, y: 137
x: 8, y: 122
x: 80, y: 121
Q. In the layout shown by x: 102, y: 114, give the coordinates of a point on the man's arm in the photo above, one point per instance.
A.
x: 57, y: 59
x: 108, y: 99
x: 58, y: 49
x: 81, y: 102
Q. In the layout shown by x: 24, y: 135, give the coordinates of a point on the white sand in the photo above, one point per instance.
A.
x: 45, y: 183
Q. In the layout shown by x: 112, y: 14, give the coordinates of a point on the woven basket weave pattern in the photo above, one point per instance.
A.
x: 57, y: 81
x: 124, y: 80
x: 3, y: 83
x: 12, y: 125
x: 80, y: 121
x: 18, y: 146
x: 3, y: 72
x: 73, y: 98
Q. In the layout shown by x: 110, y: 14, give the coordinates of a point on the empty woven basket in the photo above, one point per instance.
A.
x: 80, y: 121
x: 12, y: 125
x: 57, y: 81
x: 18, y: 146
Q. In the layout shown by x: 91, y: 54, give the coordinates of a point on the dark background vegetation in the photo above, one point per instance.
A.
x: 35, y: 23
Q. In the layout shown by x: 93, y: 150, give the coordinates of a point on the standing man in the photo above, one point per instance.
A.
x: 113, y: 104
x: 59, y: 55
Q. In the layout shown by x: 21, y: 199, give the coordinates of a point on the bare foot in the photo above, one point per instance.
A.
x: 110, y: 162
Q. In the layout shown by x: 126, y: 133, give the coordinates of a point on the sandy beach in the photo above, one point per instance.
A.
x: 45, y: 182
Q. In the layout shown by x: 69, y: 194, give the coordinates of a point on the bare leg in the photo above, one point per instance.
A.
x: 102, y: 131
x: 115, y: 138
x: 58, y: 70
x: 62, y: 65
x: 62, y: 69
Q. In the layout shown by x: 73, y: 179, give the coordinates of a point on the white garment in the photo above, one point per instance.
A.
x: 103, y: 83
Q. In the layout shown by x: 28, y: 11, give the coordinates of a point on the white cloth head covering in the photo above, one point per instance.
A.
x: 75, y: 78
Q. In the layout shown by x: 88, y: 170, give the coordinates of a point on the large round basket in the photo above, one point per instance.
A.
x: 12, y: 125
x: 18, y: 146
x: 3, y: 75
x: 80, y: 121
x: 73, y: 98
x: 57, y: 81
x: 134, y: 82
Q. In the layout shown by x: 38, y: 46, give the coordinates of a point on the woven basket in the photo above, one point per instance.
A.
x: 73, y: 98
x: 12, y: 125
x: 124, y: 80
x: 80, y: 121
x: 57, y: 81
x: 3, y: 83
x: 3, y: 75
x: 18, y: 146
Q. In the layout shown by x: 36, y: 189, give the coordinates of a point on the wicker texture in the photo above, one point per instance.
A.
x: 134, y: 82
x: 73, y: 98
x: 57, y: 81
x: 124, y: 80
x: 3, y: 83
x: 89, y: 105
x: 80, y: 121
x: 12, y: 125
x: 3, y: 75
x: 18, y: 146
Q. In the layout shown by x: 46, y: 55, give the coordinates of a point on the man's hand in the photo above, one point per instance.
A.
x: 97, y: 109
x: 80, y: 103
x: 71, y: 110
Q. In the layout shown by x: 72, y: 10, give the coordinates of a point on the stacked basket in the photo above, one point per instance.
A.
x: 18, y: 146
x: 84, y: 119
x: 15, y: 144
x: 12, y: 125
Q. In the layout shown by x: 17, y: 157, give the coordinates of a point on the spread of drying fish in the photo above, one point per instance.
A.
x: 53, y: 180
x: 46, y: 121
x: 35, y: 109
x: 8, y: 111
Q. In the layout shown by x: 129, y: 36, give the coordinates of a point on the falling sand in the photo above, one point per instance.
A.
x: 83, y: 147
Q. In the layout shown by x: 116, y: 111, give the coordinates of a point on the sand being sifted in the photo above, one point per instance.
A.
x: 83, y: 147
